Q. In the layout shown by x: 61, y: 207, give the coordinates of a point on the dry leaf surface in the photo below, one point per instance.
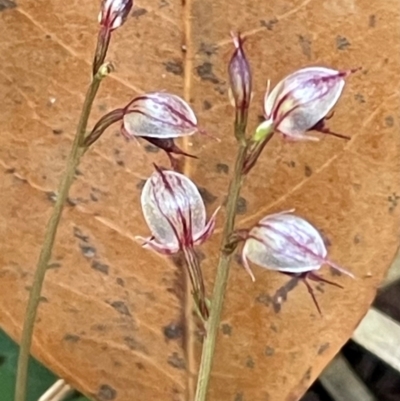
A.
x: 113, y: 317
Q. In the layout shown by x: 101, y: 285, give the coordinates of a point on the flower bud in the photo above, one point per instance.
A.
x: 301, y: 101
x: 159, y: 115
x: 289, y: 244
x: 240, y: 77
x: 114, y: 13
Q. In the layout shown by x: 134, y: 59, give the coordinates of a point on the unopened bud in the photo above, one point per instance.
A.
x: 240, y: 77
x: 113, y: 13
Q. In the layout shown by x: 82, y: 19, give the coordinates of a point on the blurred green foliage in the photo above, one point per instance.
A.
x: 40, y: 378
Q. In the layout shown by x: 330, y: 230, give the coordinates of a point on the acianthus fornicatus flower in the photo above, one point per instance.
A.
x: 160, y: 117
x: 301, y: 102
x: 289, y: 244
x: 156, y: 117
x: 175, y: 213
x: 240, y: 79
x: 114, y: 13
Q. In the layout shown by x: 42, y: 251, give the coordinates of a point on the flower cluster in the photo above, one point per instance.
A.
x: 171, y: 203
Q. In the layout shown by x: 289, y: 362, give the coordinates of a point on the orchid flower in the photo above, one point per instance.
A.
x: 289, y: 244
x: 175, y: 213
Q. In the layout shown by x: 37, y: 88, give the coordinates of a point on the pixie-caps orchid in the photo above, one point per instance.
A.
x: 175, y: 213
x: 113, y: 13
x: 302, y: 101
x: 159, y: 115
x: 289, y: 244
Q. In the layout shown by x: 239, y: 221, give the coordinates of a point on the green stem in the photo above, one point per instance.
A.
x: 221, y: 279
x: 47, y: 247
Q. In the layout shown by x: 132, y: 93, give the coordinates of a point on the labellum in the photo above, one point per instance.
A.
x: 175, y: 213
x: 289, y: 244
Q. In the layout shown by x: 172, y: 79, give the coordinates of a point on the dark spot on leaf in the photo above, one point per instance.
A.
x: 140, y: 184
x: 307, y: 375
x: 176, y: 361
x: 4, y: 4
x: 133, y: 344
x: 140, y: 366
x: 239, y: 397
x: 372, y: 21
x: 273, y: 328
x: 101, y: 267
x: 389, y: 121
x: 241, y: 207
x: 121, y: 307
x: 174, y: 67
x: 56, y: 131
x: 163, y: 3
x: 94, y: 197
x: 151, y: 149
x: 264, y: 299
x: 205, y: 72
x: 54, y: 265
x: 305, y: 44
x: 11, y: 170
x: 72, y: 338
x: 206, y: 105
x: 2, y: 360
x: 280, y: 295
x: 269, y: 351
x: 87, y: 250
x: 106, y: 393
x: 173, y: 331
x: 319, y: 287
x: 307, y: 171
x: 207, y: 196
x: 393, y: 202
x: 120, y: 281
x: 359, y: 98
x: 99, y: 327
x: 138, y: 12
x: 208, y: 49
x: 79, y: 234
x: 290, y: 163
x: 121, y: 163
x: 222, y: 168
x: 226, y: 329
x: 269, y: 24
x: 323, y: 348
x: 342, y: 43
x: 43, y: 299
x: 357, y: 239
x: 250, y: 362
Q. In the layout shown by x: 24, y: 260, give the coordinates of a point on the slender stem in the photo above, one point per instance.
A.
x: 47, y: 247
x: 221, y: 279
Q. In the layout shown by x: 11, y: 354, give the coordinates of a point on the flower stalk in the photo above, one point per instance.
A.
x: 223, y: 269
x: 77, y: 150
